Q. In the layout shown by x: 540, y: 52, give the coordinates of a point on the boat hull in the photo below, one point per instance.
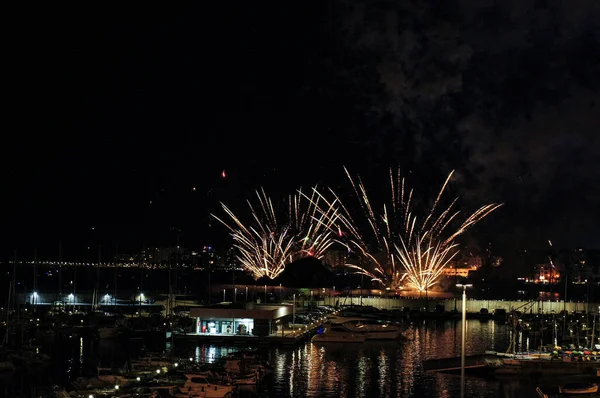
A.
x: 324, y: 338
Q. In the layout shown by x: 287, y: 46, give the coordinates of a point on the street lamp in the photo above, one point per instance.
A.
x: 463, y: 337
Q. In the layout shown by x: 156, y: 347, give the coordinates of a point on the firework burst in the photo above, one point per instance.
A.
x: 274, y: 238
x: 407, y: 251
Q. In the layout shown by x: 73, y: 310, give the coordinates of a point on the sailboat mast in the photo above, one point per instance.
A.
x: 35, y: 275
x: 60, y: 259
x: 5, y: 338
x: 98, y: 276
x: 116, y: 272
x: 14, y: 288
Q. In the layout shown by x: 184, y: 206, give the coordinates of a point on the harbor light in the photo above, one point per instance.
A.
x: 91, y: 396
x: 191, y: 359
x: 138, y: 378
x: 176, y: 364
x: 117, y: 387
x: 463, y: 337
x: 157, y: 371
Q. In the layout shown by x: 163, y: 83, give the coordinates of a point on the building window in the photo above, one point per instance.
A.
x: 244, y: 326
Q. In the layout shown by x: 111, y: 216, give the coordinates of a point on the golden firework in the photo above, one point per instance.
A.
x: 400, y: 248
x: 273, y: 238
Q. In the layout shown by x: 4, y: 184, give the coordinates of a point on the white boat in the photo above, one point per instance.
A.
x: 372, y: 330
x: 199, y: 385
x: 338, y: 334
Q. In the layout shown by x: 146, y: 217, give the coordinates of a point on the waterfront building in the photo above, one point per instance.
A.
x: 246, y: 320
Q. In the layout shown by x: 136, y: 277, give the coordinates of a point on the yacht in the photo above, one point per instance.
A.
x: 338, y: 334
x: 368, y: 328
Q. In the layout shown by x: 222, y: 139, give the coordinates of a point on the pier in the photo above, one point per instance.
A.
x: 293, y: 337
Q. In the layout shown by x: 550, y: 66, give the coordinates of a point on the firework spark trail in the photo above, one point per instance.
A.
x: 269, y: 243
x: 406, y: 249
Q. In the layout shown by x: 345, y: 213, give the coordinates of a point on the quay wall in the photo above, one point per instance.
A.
x: 545, y: 307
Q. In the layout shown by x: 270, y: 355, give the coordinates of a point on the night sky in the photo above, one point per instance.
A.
x: 115, y: 115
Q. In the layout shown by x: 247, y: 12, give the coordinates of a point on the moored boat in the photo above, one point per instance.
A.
x: 578, y: 388
x: 338, y: 334
x: 196, y: 384
x: 370, y: 329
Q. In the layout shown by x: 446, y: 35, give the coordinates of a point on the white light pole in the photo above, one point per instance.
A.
x: 463, y: 337
x: 223, y: 295
x: 294, y: 313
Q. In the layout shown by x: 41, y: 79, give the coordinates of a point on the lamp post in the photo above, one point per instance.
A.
x: 554, y: 334
x: 294, y: 313
x: 463, y: 337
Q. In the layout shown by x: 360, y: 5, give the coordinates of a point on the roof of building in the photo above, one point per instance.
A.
x: 253, y: 311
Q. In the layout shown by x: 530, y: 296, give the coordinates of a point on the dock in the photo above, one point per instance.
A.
x: 289, y: 338
x: 453, y: 364
x: 499, y: 366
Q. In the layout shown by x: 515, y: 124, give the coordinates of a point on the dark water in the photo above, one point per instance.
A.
x: 390, y: 369
x: 378, y: 369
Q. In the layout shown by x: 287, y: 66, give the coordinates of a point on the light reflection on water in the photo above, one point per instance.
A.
x: 376, y: 369
x: 389, y: 369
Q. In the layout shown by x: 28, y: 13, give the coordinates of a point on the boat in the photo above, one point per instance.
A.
x: 109, y: 376
x: 370, y: 329
x: 198, y: 385
x: 338, y: 334
x: 578, y: 388
x: 236, y: 379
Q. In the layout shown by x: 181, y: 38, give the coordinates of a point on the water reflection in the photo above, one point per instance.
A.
x: 375, y: 369
x: 384, y: 374
x: 389, y: 369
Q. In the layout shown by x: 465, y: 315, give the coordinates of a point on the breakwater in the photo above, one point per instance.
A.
x: 545, y: 307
